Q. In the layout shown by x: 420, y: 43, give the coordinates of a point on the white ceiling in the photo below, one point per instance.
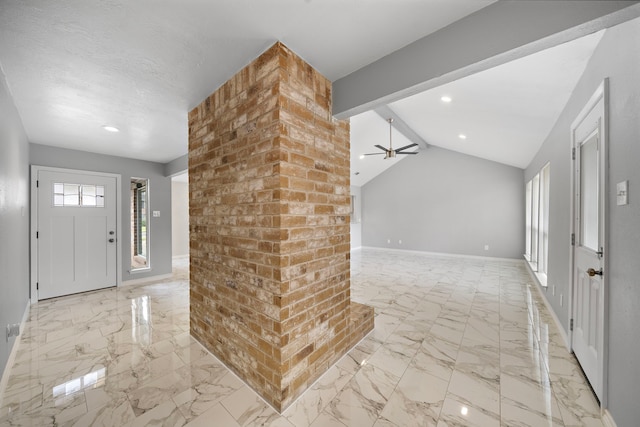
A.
x: 505, y: 112
x: 369, y: 129
x: 76, y: 65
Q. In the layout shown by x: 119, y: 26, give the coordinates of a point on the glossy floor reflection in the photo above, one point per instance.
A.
x: 457, y: 342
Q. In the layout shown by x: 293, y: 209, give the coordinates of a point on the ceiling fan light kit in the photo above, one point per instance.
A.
x: 390, y: 152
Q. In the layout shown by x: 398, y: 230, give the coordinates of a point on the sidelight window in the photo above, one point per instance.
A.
x: 139, y: 224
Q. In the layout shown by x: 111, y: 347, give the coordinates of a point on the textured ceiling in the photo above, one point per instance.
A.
x: 76, y: 65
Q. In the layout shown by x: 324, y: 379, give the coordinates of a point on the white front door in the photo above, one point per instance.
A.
x: 76, y: 232
x: 588, y: 339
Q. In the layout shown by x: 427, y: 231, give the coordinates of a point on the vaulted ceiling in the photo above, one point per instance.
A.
x: 75, y: 66
x: 503, y: 114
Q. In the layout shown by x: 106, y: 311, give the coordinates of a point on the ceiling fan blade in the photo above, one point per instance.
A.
x: 380, y: 147
x: 408, y: 152
x: 406, y: 146
x: 374, y: 154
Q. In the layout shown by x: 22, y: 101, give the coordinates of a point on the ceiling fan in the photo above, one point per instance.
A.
x: 390, y: 152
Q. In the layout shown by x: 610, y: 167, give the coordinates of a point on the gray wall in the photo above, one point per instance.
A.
x: 177, y: 166
x: 443, y: 201
x: 179, y: 218
x: 617, y: 57
x: 14, y: 219
x: 159, y: 199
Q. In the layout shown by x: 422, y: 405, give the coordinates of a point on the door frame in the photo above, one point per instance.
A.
x: 35, y: 169
x: 601, y: 95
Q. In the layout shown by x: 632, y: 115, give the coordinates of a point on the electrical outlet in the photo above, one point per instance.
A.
x: 622, y: 193
x: 399, y: 242
x: 13, y: 330
x: 486, y: 247
x: 389, y: 241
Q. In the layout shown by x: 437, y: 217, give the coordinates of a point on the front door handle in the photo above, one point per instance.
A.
x: 592, y: 272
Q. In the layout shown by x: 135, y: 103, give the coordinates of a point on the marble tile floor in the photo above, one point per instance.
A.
x: 457, y: 342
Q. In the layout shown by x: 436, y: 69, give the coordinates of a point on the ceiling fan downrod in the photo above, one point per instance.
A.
x: 391, y: 152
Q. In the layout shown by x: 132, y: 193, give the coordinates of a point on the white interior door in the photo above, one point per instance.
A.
x: 76, y: 232
x: 588, y: 339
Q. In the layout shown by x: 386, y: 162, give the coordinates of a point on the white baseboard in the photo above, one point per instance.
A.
x: 146, y: 280
x: 553, y: 314
x: 607, y: 419
x: 444, y: 254
x: 12, y: 355
x: 180, y: 256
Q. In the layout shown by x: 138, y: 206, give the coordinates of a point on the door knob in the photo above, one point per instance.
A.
x: 111, y: 240
x: 591, y: 272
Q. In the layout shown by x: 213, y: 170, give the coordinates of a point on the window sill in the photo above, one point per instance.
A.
x: 541, y: 277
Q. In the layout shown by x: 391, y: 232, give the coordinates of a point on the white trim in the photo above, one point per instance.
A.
x: 542, y: 278
x: 148, y: 267
x: 12, y: 355
x: 539, y: 287
x: 595, y: 98
x: 607, y: 419
x: 34, y: 222
x: 445, y: 255
x: 146, y: 279
x: 600, y: 94
x: 180, y: 256
x: 33, y: 260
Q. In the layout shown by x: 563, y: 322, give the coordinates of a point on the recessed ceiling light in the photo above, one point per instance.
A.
x: 362, y: 156
x: 110, y: 128
x: 446, y: 99
x: 462, y: 136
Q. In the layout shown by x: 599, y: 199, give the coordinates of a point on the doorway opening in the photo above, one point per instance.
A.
x: 180, y: 224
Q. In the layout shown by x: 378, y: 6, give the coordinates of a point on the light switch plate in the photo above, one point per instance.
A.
x: 622, y: 193
x: 156, y: 214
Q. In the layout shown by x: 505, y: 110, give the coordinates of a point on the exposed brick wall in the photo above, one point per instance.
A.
x: 269, y: 227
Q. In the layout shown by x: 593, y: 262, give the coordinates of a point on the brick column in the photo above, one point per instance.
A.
x: 269, y: 227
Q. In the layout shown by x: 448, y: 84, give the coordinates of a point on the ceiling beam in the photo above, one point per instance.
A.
x: 499, y: 33
x: 387, y: 113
